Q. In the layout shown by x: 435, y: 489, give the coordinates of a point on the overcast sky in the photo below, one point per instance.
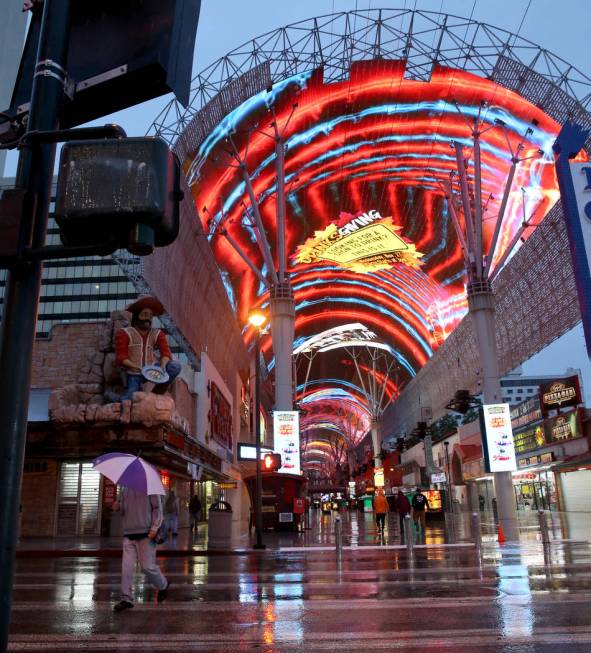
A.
x: 561, y: 27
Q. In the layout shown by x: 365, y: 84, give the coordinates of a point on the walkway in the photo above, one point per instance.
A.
x: 521, y: 599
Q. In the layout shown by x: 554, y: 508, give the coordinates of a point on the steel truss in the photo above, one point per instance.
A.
x: 333, y: 42
x: 535, y: 295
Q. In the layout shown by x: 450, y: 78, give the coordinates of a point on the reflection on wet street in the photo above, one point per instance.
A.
x: 524, y: 598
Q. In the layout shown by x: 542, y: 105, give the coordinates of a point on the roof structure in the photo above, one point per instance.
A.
x: 369, y: 103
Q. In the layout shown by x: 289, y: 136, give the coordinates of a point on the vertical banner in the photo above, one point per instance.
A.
x: 574, y: 181
x: 286, y: 432
x: 497, y: 438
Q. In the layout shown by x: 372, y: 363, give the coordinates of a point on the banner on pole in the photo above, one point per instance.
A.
x: 497, y: 438
x: 286, y: 432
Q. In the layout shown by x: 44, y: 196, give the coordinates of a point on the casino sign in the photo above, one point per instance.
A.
x: 364, y: 243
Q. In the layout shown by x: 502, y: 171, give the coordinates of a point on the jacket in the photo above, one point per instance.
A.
x: 139, y: 513
x: 380, y: 503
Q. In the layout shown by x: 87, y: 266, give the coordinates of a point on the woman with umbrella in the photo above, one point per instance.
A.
x: 141, y: 512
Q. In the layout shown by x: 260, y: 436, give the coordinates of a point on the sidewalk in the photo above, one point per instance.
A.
x: 358, y: 531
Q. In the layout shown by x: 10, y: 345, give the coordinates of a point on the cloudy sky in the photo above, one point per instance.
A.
x: 561, y: 27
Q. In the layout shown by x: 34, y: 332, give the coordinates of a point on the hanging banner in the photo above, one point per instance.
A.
x: 378, y: 477
x: 574, y: 181
x: 286, y: 432
x: 497, y: 438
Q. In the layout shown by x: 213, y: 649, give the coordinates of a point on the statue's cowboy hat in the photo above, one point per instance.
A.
x: 155, y: 305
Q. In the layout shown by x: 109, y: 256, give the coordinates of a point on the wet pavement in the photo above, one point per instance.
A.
x: 292, y: 597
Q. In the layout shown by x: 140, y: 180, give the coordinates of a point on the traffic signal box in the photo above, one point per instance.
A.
x: 118, y: 193
x: 272, y: 462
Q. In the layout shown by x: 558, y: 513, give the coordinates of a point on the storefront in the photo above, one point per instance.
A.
x: 535, y: 489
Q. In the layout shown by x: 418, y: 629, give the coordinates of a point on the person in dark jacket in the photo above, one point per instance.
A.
x: 419, y: 506
x: 402, y: 508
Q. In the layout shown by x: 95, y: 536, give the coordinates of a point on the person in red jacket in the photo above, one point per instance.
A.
x: 136, y: 346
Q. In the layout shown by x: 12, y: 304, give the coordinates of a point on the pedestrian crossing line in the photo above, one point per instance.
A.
x: 267, y: 576
x: 517, y: 600
x: 394, y: 639
x: 278, y: 583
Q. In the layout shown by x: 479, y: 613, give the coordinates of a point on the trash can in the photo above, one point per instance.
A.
x: 219, y: 525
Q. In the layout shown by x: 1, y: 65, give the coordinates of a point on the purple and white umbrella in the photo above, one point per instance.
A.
x: 130, y: 471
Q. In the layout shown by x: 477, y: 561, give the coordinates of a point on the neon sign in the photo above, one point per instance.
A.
x: 366, y: 243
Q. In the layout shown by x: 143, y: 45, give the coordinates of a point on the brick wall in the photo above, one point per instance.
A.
x: 57, y: 360
x: 38, y: 496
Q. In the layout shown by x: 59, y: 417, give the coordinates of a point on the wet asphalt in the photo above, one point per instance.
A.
x: 516, y: 598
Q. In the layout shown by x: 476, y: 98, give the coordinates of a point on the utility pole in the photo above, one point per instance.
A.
x: 17, y: 335
x: 479, y: 268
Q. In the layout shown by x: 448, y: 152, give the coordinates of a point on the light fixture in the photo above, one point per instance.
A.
x: 257, y: 318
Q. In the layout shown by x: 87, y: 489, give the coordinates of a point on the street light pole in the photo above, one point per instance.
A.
x: 257, y: 321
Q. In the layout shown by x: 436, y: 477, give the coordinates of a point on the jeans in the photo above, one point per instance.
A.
x: 135, y: 381
x: 381, y: 520
x: 172, y: 523
x: 144, y: 552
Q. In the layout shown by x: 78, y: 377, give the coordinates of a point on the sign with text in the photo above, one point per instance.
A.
x: 286, y: 432
x: 220, y: 417
x: 563, y: 427
x: 497, y: 440
x: 378, y: 477
x: 438, y: 477
x: 560, y: 393
x: 364, y: 243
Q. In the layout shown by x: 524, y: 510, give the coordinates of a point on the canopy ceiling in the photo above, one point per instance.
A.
x: 369, y: 234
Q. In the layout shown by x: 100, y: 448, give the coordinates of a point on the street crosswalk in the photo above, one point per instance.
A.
x: 444, y: 600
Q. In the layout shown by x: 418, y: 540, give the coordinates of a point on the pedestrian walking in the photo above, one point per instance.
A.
x: 141, y: 517
x: 481, y: 502
x: 419, y: 504
x: 403, y: 509
x: 380, y: 506
x: 194, y: 511
x: 171, y: 513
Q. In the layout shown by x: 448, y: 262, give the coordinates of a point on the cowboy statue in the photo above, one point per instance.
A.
x: 136, y: 346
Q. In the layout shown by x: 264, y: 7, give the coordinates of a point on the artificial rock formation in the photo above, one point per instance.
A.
x: 84, y: 401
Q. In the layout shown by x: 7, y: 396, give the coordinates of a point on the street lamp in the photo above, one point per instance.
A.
x: 257, y: 319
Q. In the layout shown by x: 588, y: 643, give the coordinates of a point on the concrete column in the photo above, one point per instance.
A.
x: 481, y: 307
x: 282, y: 332
x: 376, y: 441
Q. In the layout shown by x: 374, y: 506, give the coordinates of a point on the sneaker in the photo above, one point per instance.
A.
x: 162, y: 594
x: 122, y: 605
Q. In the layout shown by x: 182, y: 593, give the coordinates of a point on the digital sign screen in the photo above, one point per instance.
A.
x: 286, y: 432
x: 498, y: 445
x: 369, y: 234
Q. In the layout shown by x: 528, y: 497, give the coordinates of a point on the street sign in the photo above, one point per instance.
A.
x: 149, y: 53
x: 438, y: 477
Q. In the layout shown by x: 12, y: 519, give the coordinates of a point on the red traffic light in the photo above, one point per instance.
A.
x: 272, y: 462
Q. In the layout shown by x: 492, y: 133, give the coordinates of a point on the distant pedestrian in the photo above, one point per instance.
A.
x: 171, y: 513
x: 481, y: 502
x: 402, y: 508
x: 194, y: 511
x: 380, y: 506
x: 141, y: 517
x: 419, y: 505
